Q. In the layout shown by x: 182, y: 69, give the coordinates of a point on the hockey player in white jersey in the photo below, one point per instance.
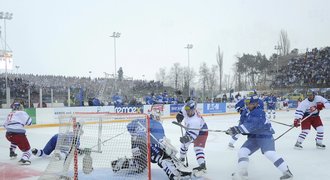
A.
x: 14, y: 124
x: 192, y: 119
x: 313, y: 104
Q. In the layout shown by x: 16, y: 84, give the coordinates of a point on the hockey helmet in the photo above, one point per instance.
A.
x: 310, y: 95
x: 155, y: 114
x: 17, y: 106
x: 190, y: 107
x: 252, y: 99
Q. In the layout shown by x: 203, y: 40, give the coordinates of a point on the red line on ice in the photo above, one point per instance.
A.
x: 13, y: 172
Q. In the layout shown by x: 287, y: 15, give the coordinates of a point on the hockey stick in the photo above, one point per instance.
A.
x: 187, y: 128
x: 107, y: 140
x: 294, y: 126
x: 72, y: 153
x: 184, y: 147
x: 281, y: 123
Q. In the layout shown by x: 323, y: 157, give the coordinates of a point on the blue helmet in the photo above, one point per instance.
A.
x: 252, y: 99
x: 17, y: 107
x: 190, y: 105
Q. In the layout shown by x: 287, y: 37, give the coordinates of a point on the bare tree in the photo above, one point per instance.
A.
x: 213, y: 79
x: 176, y: 76
x: 219, y: 57
x: 284, y: 43
x: 161, y: 75
x: 203, y: 78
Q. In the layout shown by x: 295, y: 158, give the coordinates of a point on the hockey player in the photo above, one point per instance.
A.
x: 14, y: 124
x: 162, y: 152
x: 51, y: 144
x: 271, y: 101
x: 192, y: 119
x: 313, y: 104
x: 259, y: 136
x: 240, y: 106
x: 286, y: 104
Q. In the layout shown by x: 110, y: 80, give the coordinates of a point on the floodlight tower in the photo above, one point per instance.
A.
x: 188, y: 47
x: 6, y: 16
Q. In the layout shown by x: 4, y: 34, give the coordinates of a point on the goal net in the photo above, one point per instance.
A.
x: 99, y: 146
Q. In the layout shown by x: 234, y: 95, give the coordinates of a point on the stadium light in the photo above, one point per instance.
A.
x: 115, y: 35
x: 6, y: 16
x: 188, y: 47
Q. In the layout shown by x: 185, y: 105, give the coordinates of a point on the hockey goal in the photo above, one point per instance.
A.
x: 99, y: 146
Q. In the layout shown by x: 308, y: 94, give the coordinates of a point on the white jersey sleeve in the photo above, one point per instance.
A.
x: 16, y: 121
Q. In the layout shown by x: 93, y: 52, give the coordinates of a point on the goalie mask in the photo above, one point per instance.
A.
x: 155, y: 114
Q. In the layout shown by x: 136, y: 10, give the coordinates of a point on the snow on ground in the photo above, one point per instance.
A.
x: 307, y: 164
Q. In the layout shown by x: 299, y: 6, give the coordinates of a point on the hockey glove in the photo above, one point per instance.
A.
x: 186, y: 138
x: 296, y: 122
x: 233, y: 131
x: 179, y: 117
x: 319, y: 106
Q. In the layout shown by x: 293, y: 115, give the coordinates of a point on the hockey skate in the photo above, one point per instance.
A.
x: 298, y: 146
x: 24, y: 162
x: 183, y: 175
x: 12, y: 154
x: 34, y: 151
x: 320, y: 145
x: 286, y: 175
x: 200, y: 170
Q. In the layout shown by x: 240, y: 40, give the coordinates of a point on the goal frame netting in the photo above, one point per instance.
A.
x: 73, y: 166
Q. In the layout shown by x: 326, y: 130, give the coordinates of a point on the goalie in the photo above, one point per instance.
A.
x: 161, y: 151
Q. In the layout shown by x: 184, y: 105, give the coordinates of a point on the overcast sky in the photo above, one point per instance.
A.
x: 71, y: 37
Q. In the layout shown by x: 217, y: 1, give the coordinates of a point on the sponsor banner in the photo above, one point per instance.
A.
x: 129, y: 109
x: 293, y: 104
x: 212, y: 108
x: 175, y: 108
x: 230, y: 107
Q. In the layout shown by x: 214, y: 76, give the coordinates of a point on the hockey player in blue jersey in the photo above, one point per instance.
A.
x: 161, y: 151
x: 240, y: 106
x: 259, y: 136
x: 271, y: 101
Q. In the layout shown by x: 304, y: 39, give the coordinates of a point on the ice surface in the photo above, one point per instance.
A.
x: 307, y: 164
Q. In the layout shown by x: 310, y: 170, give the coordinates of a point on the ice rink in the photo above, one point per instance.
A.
x: 307, y: 164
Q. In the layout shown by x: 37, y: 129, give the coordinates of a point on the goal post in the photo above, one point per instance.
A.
x: 99, y: 146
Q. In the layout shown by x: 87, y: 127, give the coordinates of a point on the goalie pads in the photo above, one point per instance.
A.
x: 123, y: 163
x: 167, y: 147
